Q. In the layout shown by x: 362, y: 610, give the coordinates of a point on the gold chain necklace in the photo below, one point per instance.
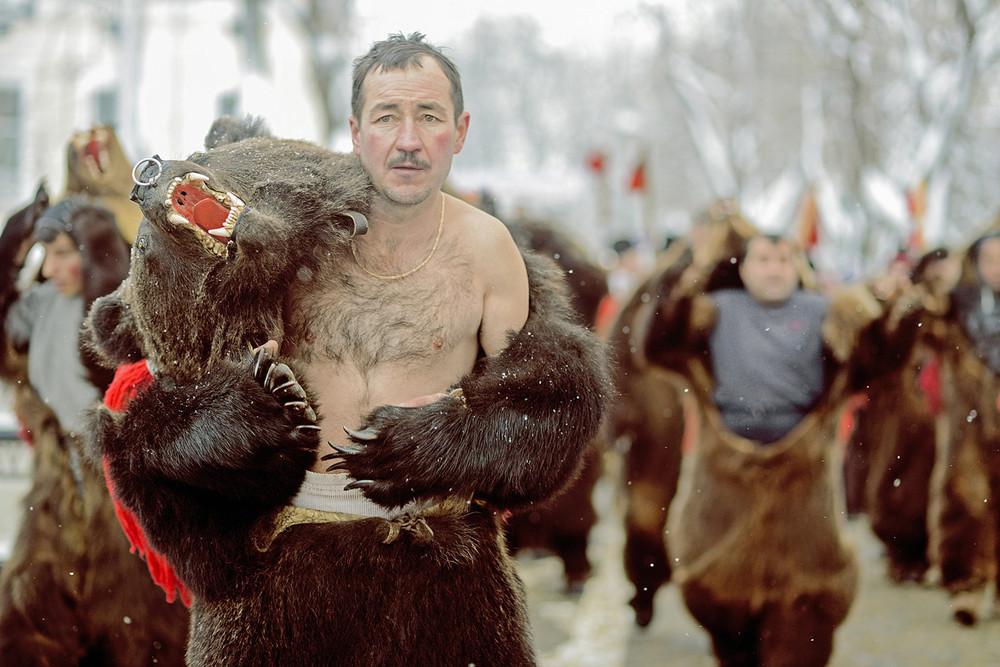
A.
x: 357, y: 260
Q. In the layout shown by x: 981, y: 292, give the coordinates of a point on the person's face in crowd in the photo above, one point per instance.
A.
x: 942, y: 275
x: 407, y: 133
x: 988, y: 263
x: 769, y: 271
x: 63, y: 266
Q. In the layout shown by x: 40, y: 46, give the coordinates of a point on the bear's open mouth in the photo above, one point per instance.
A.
x: 211, y: 213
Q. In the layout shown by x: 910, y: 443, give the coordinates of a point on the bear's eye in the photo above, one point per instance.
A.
x: 141, y: 244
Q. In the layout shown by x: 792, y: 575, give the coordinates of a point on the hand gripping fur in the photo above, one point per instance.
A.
x: 515, y: 433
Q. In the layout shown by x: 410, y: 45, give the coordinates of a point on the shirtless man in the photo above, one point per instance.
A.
x: 433, y: 284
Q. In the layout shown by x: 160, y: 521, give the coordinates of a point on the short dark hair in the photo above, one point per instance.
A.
x: 400, y: 51
x: 58, y: 219
x: 977, y: 246
x: 925, y: 261
x: 774, y: 239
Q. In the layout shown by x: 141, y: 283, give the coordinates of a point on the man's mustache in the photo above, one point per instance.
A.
x: 409, y: 160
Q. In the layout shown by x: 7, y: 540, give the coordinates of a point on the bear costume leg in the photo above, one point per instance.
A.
x: 652, y: 468
x: 562, y: 524
x: 898, y: 488
x: 71, y: 593
x: 799, y: 634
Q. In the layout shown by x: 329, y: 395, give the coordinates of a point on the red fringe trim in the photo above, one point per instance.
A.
x: 929, y: 381
x: 130, y: 380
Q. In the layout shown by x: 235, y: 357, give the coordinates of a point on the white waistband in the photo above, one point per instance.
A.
x: 325, y: 492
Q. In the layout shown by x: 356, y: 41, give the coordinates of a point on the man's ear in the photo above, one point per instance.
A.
x: 355, y: 126
x: 462, y: 131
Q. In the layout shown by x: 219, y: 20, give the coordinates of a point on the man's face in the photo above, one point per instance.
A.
x: 769, y: 271
x: 407, y: 133
x: 942, y: 275
x: 63, y: 266
x: 988, y: 263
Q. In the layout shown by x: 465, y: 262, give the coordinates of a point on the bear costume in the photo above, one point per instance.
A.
x: 755, y: 530
x: 649, y: 414
x: 209, y: 454
x: 70, y: 592
x: 965, y: 483
x: 562, y: 525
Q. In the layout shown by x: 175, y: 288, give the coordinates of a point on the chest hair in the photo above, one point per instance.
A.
x: 349, y: 317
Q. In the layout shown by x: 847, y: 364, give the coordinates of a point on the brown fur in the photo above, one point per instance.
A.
x: 71, y: 593
x: 754, y: 531
x: 563, y: 524
x: 964, y: 520
x: 210, y: 453
x: 649, y: 417
x: 897, y: 430
x: 70, y: 582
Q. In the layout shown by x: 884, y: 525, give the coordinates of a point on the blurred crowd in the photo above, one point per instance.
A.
x: 758, y: 408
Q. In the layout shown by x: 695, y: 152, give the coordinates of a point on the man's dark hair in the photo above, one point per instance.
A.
x: 773, y: 238
x: 58, y: 219
x: 977, y: 246
x: 925, y: 261
x: 401, y: 52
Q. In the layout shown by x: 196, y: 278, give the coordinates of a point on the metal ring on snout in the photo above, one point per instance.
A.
x: 141, y: 165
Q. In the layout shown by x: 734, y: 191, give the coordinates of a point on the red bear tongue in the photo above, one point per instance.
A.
x: 209, y: 214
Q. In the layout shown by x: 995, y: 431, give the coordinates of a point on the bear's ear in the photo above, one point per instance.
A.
x: 109, y: 333
x: 228, y: 130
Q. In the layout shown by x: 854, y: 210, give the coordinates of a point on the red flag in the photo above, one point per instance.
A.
x: 638, y: 180
x: 595, y: 161
x: 808, y: 223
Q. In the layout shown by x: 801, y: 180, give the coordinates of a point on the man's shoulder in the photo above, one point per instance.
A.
x: 479, y: 227
x: 487, y: 238
x: 729, y: 297
x: 812, y: 301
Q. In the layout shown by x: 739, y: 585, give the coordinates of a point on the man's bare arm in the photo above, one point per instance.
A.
x: 505, y: 302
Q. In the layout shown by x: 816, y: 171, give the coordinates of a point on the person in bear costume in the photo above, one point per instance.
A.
x: 216, y: 443
x: 563, y: 524
x: 649, y: 412
x: 754, y: 529
x: 896, y: 431
x: 965, y: 483
x: 70, y: 592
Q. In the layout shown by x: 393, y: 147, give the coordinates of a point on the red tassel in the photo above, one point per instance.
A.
x: 131, y: 379
x: 929, y: 381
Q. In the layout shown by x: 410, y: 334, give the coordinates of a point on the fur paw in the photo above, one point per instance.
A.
x: 278, y: 380
x: 388, y: 469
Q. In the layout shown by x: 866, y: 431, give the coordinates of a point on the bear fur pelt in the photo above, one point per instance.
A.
x: 896, y: 430
x: 562, y: 525
x: 965, y: 486
x: 209, y: 455
x: 648, y: 416
x: 754, y: 531
x: 70, y: 592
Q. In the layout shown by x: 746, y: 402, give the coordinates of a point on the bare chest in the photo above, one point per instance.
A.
x: 365, y: 322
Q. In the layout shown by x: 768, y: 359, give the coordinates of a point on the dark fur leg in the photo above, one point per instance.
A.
x: 799, y: 635
x: 733, y: 628
x: 652, y: 469
x: 562, y: 525
x: 47, y: 632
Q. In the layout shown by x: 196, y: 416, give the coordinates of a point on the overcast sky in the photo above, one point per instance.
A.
x: 579, y: 23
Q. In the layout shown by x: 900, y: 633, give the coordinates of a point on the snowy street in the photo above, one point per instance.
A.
x: 888, y: 626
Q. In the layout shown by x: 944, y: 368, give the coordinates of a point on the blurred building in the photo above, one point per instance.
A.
x: 158, y: 70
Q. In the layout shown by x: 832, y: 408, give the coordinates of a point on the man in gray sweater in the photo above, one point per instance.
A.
x: 766, y: 346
